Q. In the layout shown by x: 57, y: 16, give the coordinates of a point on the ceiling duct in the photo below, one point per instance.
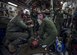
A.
x: 28, y: 1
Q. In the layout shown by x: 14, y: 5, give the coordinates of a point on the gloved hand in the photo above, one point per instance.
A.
x: 44, y: 46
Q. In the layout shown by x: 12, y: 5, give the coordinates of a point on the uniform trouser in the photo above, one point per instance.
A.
x: 15, y: 37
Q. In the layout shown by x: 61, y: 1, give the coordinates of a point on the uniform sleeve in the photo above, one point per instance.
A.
x: 42, y: 31
x: 19, y: 22
x: 51, y: 31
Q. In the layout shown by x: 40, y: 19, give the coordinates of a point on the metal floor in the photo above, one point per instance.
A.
x: 23, y: 52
